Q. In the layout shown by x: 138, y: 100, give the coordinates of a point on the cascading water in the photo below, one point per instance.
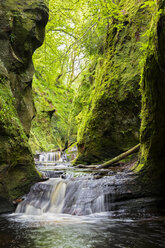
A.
x: 76, y: 197
x: 79, y: 212
x: 44, y: 197
x: 51, y: 157
x: 77, y: 194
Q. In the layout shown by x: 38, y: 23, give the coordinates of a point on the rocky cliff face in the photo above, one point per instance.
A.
x: 152, y: 162
x: 110, y: 124
x: 21, y: 32
x: 135, y: 56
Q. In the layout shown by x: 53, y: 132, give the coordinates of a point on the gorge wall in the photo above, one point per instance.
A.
x: 22, y: 26
x: 134, y: 58
x: 152, y: 161
x: 110, y: 123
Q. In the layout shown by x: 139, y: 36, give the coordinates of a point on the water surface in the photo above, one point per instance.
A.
x: 65, y: 231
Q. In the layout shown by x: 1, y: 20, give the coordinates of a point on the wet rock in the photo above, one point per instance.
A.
x: 119, y: 194
x: 53, y: 174
x: 6, y: 206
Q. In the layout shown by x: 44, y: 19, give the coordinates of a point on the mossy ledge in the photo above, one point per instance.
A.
x: 22, y: 25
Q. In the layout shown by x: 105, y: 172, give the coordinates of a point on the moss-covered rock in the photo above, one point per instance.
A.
x: 109, y: 123
x: 21, y: 32
x: 41, y: 136
x: 152, y: 161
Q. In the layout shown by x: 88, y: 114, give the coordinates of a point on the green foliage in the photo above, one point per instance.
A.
x: 75, y: 39
x: 90, y: 62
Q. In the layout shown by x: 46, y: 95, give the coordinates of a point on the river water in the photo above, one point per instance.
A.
x: 64, y: 231
x: 36, y: 224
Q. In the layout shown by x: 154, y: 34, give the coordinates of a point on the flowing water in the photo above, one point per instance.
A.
x: 46, y: 157
x: 79, y: 209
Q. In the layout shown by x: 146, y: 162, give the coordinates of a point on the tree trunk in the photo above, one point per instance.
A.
x: 112, y: 161
x: 120, y: 157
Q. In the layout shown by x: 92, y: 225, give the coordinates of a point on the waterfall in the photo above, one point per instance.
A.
x: 75, y: 197
x: 51, y: 157
x: 44, y: 197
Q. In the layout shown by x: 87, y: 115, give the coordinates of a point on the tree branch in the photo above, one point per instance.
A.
x: 63, y: 31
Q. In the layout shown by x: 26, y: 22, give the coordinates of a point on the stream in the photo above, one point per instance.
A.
x: 77, y: 208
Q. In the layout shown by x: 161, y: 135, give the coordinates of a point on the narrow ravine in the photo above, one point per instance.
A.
x: 82, y: 124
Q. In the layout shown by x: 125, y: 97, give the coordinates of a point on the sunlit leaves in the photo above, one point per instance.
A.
x: 75, y: 36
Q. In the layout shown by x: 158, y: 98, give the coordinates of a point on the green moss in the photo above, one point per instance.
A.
x: 138, y: 167
x: 152, y: 114
x: 41, y: 136
x: 109, y: 123
x: 8, y: 114
x: 17, y: 170
x: 19, y: 39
